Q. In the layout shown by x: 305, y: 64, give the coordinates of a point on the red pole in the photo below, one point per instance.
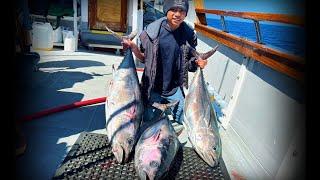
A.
x: 62, y: 108
x: 66, y: 107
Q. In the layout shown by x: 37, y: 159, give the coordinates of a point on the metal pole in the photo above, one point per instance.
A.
x: 140, y: 28
x: 75, y: 24
x: 134, y: 17
x: 258, y: 32
x: 223, y: 23
x: 140, y: 20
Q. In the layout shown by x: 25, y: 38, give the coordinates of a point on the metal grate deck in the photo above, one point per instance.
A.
x: 91, y: 158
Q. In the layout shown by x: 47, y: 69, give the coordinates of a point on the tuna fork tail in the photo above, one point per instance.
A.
x: 131, y: 36
x: 203, y: 55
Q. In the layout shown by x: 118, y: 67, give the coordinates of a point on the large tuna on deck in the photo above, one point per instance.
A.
x: 156, y: 148
x: 200, y: 118
x: 123, y: 108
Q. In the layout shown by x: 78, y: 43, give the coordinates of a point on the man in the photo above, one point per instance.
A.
x: 167, y: 58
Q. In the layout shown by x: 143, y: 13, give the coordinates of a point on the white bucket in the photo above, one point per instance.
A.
x: 57, y: 35
x: 64, y: 34
x: 69, y: 43
x: 42, y: 36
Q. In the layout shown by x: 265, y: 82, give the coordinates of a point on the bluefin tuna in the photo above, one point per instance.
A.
x: 200, y: 119
x: 157, y: 147
x: 123, y: 108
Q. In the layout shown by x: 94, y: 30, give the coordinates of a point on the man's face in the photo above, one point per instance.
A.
x: 175, y: 17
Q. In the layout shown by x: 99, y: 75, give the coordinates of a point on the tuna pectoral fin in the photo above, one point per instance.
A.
x: 190, y: 142
x: 179, y: 131
x: 185, y: 91
x: 156, y: 136
x: 143, y: 175
x: 113, y: 70
x: 181, y: 145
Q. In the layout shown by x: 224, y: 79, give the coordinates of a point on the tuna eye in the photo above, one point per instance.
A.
x: 130, y: 141
x: 154, y: 164
x: 214, y: 148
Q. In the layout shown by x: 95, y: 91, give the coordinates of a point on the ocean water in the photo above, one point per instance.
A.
x: 286, y: 38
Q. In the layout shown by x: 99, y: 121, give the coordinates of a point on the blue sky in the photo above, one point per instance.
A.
x: 293, y: 7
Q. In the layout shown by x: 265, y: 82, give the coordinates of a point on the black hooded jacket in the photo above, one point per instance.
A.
x: 150, y: 46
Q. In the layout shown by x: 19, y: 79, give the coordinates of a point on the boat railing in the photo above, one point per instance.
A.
x: 289, y: 64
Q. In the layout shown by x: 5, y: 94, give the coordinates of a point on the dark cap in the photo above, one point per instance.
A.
x: 169, y: 4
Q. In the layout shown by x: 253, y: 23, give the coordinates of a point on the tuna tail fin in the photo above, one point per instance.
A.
x: 114, y: 34
x: 203, y: 55
x: 164, y: 107
x: 209, y: 53
x: 132, y: 35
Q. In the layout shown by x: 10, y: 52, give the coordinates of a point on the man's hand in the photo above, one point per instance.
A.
x: 126, y: 43
x: 201, y: 63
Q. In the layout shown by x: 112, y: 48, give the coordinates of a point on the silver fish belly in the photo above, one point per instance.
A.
x: 123, y: 109
x: 200, y: 121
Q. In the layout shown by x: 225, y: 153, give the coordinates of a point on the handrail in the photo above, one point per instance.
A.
x: 262, y: 54
x: 289, y: 64
x: 288, y: 19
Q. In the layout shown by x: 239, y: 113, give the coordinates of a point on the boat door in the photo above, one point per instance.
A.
x: 108, y: 12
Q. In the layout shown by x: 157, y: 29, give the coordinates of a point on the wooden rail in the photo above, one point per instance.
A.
x: 288, y: 64
x: 274, y: 59
x: 288, y: 19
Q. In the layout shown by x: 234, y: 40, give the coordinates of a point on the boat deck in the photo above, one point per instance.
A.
x: 67, y: 77
x: 62, y: 78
